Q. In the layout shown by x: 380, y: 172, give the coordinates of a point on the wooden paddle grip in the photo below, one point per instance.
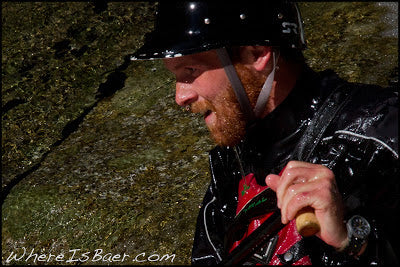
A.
x: 306, y: 222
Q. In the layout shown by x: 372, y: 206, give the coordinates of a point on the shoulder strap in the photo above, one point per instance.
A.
x: 320, y: 122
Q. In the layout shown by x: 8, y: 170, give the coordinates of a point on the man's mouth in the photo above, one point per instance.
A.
x: 207, y: 113
x: 202, y: 109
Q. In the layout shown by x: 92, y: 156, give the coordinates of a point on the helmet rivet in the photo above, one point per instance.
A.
x: 207, y: 21
x: 242, y: 16
x: 280, y: 16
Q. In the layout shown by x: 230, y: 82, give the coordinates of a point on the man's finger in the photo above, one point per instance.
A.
x: 272, y: 180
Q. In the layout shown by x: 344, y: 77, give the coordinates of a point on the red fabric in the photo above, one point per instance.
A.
x: 248, y: 189
x: 288, y: 236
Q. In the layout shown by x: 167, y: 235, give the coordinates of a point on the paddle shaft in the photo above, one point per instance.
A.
x: 306, y: 222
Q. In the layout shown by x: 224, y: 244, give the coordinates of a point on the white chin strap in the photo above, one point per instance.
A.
x: 239, y: 89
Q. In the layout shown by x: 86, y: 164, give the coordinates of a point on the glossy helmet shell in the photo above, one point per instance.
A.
x: 184, y: 28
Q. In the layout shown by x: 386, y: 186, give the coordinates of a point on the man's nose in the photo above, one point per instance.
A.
x: 184, y: 94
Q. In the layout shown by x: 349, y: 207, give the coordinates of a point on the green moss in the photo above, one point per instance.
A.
x: 55, y: 83
x: 351, y: 43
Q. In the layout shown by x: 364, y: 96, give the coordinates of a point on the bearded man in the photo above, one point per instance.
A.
x: 306, y: 165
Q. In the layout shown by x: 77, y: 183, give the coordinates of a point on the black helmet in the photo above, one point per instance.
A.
x: 184, y: 28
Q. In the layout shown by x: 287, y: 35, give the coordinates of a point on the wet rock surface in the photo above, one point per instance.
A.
x: 54, y: 58
x: 96, y: 154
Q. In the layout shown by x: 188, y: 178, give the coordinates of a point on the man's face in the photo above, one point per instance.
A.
x: 202, y: 85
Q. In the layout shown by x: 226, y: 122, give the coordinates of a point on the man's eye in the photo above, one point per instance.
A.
x: 190, y: 70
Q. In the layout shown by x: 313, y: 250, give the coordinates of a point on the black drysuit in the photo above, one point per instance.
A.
x: 350, y: 128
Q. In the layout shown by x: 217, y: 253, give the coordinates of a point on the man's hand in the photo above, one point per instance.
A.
x: 303, y: 184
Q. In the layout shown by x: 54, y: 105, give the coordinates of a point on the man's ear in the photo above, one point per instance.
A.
x: 261, y: 56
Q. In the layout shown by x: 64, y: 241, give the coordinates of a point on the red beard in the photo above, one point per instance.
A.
x: 230, y: 125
